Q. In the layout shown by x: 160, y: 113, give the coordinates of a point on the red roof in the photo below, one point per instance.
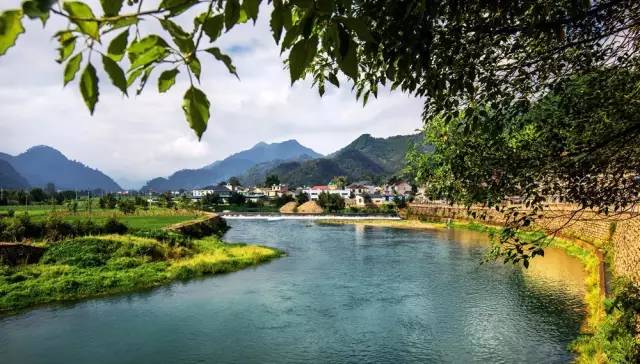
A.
x: 323, y: 188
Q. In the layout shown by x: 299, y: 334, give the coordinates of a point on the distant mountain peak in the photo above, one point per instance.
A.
x: 236, y: 164
x: 42, y: 164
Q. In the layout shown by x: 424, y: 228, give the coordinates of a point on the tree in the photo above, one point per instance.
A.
x: 166, y: 200
x: 340, y: 182
x: 211, y: 199
x: 283, y: 199
x: 37, y: 195
x: 574, y: 144
x: 108, y: 201
x: 234, y: 182
x: 331, y: 201
x: 236, y: 199
x: 271, y: 180
x: 451, y: 53
x: 302, y: 197
x: 127, y: 206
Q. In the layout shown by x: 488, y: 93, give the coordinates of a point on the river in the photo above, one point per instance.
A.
x: 343, y: 294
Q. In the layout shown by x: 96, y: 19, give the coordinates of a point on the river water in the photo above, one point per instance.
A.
x: 344, y: 294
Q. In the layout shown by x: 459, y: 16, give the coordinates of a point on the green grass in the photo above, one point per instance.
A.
x: 97, y: 266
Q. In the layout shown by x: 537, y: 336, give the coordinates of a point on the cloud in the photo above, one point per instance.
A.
x: 141, y: 137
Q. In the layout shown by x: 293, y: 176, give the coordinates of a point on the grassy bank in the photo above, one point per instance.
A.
x: 96, y: 266
x: 604, y: 338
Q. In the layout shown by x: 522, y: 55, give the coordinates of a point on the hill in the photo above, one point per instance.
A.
x: 42, y: 164
x: 366, y: 158
x: 10, y: 178
x: 235, y: 165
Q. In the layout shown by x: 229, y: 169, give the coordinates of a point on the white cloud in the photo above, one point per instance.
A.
x: 137, y: 138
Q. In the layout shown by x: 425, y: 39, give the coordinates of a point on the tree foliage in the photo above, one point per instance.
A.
x: 578, y: 144
x: 451, y: 53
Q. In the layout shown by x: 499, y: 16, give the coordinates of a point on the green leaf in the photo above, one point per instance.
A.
x: 118, y: 46
x: 144, y: 79
x: 111, y: 7
x: 89, y: 87
x: 276, y: 23
x: 67, y: 46
x: 10, y: 29
x: 147, y: 50
x: 79, y: 13
x: 349, y: 63
x: 72, y: 68
x: 195, y: 67
x: 217, y: 53
x: 177, y: 7
x: 251, y: 7
x: 196, y: 109
x: 333, y: 79
x: 167, y: 79
x: 133, y: 76
x: 38, y: 9
x: 231, y: 13
x: 212, y: 26
x: 115, y: 74
x: 301, y: 56
x: 181, y: 38
x: 359, y: 26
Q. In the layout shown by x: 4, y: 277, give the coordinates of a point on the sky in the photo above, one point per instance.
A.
x: 141, y: 137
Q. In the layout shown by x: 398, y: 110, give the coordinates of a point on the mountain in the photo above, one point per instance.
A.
x: 366, y: 158
x: 10, y: 178
x: 41, y: 164
x: 234, y: 165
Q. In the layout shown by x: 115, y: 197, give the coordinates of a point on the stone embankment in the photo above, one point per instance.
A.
x: 618, y: 234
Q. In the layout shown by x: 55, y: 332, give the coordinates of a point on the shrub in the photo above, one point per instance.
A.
x: 170, y: 238
x: 81, y: 252
x: 113, y: 226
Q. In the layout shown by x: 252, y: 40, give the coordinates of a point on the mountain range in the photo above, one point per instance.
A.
x: 366, y: 158
x: 234, y: 165
x: 41, y: 165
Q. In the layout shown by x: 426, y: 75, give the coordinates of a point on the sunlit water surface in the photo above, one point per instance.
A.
x: 344, y: 294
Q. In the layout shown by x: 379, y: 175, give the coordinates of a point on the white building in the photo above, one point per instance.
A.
x: 315, y: 191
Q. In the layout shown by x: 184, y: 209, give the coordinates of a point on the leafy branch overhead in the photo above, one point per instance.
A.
x: 115, y: 34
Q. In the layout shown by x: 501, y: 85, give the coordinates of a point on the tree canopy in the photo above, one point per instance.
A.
x: 453, y: 53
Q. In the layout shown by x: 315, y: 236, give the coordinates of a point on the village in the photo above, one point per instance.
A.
x: 335, y: 196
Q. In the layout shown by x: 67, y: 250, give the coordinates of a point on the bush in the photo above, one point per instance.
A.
x: 113, y: 226
x: 170, y: 238
x: 82, y: 252
x: 214, y: 226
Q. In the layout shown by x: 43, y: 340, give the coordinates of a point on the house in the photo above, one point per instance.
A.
x: 278, y: 190
x: 376, y: 199
x: 399, y: 188
x: 315, y: 191
x: 361, y: 187
x: 221, y: 191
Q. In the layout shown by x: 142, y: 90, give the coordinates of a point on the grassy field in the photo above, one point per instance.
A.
x: 97, y: 266
x: 153, y: 218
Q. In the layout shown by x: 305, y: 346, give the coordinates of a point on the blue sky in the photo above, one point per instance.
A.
x: 137, y: 138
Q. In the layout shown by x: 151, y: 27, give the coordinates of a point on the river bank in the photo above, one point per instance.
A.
x: 101, y: 265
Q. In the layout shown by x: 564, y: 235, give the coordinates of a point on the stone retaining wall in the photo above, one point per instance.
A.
x: 620, y: 233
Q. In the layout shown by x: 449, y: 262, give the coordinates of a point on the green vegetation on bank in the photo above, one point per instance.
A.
x: 115, y: 253
x: 609, y: 333
x: 103, y: 265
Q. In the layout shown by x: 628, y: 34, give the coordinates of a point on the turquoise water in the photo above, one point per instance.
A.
x: 344, y: 294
